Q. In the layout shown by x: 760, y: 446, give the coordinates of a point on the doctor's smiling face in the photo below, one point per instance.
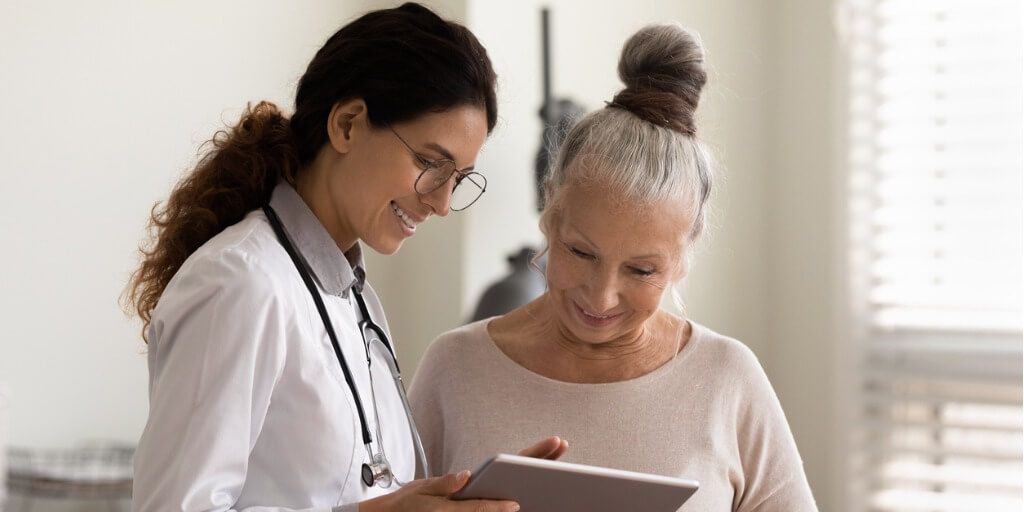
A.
x: 610, y: 261
x: 369, y: 183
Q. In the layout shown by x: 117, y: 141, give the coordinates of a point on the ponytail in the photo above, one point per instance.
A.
x: 236, y: 175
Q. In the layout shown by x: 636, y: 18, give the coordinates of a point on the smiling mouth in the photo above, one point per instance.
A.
x: 405, y: 218
x: 593, y: 319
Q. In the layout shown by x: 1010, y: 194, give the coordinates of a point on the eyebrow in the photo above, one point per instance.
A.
x: 445, y: 153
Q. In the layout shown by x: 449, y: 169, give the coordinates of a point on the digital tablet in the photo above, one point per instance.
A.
x: 540, y: 485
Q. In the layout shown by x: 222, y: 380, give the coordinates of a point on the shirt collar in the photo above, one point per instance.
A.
x: 336, y: 271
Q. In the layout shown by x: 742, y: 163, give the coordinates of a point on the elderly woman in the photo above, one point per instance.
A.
x: 594, y: 359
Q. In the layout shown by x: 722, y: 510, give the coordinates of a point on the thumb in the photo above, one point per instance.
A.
x: 445, y: 485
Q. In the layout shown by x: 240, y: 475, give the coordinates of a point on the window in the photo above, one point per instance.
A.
x: 936, y: 158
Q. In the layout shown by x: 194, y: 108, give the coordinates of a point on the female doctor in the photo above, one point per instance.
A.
x: 273, y: 384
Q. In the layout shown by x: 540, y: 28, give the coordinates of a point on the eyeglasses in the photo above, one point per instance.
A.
x: 469, y: 186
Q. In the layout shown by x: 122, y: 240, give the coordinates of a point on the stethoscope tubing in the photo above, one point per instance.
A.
x: 380, y: 469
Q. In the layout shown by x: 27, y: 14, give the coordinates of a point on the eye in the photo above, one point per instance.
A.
x: 578, y: 253
x: 642, y: 272
x: 423, y: 162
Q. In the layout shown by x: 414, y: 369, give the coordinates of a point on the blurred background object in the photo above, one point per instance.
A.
x: 865, y: 239
x: 90, y: 473
x: 557, y: 115
x: 4, y: 418
x: 523, y: 284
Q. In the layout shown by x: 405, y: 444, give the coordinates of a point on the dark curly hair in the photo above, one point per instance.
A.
x: 403, y: 62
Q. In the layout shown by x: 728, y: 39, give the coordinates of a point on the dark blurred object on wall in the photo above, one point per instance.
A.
x: 557, y: 115
x: 523, y: 284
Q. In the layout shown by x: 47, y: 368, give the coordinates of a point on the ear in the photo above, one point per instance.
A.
x: 346, y: 122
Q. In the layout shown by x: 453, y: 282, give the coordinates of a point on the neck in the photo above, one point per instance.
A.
x: 313, y: 185
x: 626, y: 357
x: 625, y: 347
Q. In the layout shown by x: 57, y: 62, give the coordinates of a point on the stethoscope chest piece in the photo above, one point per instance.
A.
x: 377, y: 473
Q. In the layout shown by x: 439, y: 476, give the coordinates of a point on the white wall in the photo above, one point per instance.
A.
x: 106, y: 102
x: 806, y: 226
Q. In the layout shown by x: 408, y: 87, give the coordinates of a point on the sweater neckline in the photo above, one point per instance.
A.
x: 697, y: 334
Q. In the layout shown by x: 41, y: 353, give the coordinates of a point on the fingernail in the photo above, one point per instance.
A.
x: 515, y: 507
x: 464, y: 474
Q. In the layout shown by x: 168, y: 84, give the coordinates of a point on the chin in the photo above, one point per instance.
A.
x: 384, y: 247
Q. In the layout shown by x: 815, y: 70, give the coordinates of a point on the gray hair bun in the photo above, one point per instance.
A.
x: 663, y: 69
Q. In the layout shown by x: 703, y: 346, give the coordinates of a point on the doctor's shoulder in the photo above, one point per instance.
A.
x: 239, y: 275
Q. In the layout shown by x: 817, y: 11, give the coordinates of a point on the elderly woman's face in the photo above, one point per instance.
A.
x: 611, y: 261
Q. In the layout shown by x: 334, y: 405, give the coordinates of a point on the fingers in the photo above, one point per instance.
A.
x: 563, y: 446
x: 541, y: 449
x: 550, y: 448
x: 445, y: 485
x: 484, y: 506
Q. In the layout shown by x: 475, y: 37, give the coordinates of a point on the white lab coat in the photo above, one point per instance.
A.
x: 249, y: 409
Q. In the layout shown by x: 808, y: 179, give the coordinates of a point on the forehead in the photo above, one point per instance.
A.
x: 460, y: 130
x: 621, y: 226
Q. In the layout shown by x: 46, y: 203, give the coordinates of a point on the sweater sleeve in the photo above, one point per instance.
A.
x: 773, y: 472
x: 425, y: 400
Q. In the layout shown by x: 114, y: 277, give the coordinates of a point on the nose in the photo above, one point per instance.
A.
x: 440, y: 200
x: 603, y: 291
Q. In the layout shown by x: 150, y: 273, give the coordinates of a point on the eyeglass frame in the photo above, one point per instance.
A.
x: 426, y: 164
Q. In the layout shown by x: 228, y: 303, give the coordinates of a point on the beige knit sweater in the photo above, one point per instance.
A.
x: 709, y: 414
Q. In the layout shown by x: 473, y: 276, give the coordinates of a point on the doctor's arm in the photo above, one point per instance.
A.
x: 217, y: 350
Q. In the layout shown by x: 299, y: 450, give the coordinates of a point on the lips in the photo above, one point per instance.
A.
x: 407, y: 220
x: 592, y: 319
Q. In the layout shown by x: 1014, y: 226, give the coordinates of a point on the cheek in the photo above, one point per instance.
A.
x: 563, y: 273
x: 644, y: 297
x: 385, y: 176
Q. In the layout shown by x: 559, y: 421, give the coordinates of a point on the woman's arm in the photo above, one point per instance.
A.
x: 773, y: 473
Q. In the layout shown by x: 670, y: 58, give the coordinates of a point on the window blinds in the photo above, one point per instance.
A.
x: 936, y: 129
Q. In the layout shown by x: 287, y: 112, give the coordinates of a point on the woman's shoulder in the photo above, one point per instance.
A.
x: 456, y: 344
x: 723, y: 356
x: 247, y: 250
x: 243, y: 260
x: 453, y: 355
x: 233, y: 279
x: 250, y: 242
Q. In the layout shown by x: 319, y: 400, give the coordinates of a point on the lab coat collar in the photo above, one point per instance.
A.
x: 336, y: 271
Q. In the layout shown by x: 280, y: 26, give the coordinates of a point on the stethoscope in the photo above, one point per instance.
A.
x: 378, y: 470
